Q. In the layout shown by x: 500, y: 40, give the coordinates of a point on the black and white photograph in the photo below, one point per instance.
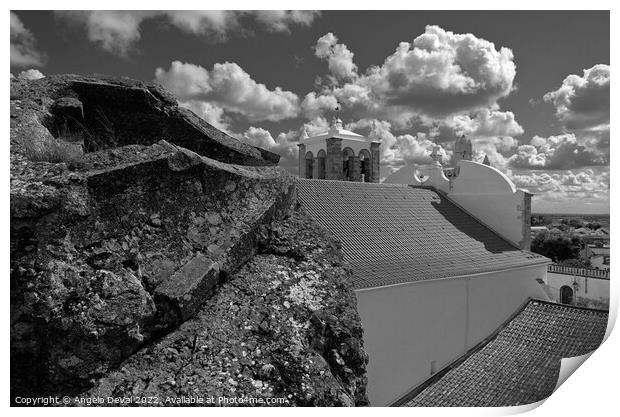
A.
x: 309, y: 208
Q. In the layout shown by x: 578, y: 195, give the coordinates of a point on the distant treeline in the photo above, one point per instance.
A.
x: 590, y: 222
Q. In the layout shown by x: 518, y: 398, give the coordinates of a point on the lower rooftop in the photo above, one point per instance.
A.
x: 519, y: 364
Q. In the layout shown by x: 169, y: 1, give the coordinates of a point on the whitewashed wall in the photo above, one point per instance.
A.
x: 588, y: 288
x: 408, y: 326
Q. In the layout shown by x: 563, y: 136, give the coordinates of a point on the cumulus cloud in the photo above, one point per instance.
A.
x: 118, y: 31
x: 31, y: 74
x: 315, y: 105
x: 582, y: 102
x: 398, y: 150
x: 23, y: 46
x: 114, y: 31
x: 212, y: 113
x: 445, y: 72
x: 437, y: 75
x: 282, y: 20
x: 285, y: 144
x: 229, y: 88
x: 316, y: 126
x: 556, y: 152
x: 587, y: 185
x: 492, y: 133
x: 339, y: 58
x: 486, y: 123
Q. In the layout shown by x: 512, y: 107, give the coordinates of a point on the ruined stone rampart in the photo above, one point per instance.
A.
x: 144, y: 240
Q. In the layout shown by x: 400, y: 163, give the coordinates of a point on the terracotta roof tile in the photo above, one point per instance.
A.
x: 520, y: 363
x: 394, y: 234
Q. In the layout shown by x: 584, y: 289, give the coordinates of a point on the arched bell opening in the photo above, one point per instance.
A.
x: 321, y: 157
x: 365, y: 165
x: 309, y: 164
x: 348, y: 159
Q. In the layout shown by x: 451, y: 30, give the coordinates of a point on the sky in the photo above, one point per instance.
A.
x: 530, y: 89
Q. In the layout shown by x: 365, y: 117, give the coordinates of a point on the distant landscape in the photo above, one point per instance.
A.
x: 568, y: 239
x: 543, y: 219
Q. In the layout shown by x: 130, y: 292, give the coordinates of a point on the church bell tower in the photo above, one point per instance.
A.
x: 339, y: 154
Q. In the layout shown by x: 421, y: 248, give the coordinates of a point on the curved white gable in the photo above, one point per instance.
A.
x: 478, y: 178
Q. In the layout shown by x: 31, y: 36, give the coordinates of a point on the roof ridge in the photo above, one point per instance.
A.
x: 569, y: 306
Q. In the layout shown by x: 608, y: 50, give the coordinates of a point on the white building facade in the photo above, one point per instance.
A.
x: 586, y: 287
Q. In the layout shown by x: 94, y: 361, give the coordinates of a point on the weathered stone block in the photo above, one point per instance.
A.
x: 375, y: 153
x: 188, y: 287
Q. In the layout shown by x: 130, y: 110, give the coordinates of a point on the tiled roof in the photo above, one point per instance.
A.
x: 520, y: 363
x: 393, y: 234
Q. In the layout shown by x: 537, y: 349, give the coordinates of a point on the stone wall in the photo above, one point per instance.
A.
x: 113, y: 250
x: 105, y: 113
x: 283, y: 326
x: 104, y: 260
x: 375, y: 155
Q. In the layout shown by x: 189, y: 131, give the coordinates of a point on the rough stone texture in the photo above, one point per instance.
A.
x: 285, y: 325
x: 113, y: 251
x: 187, y: 287
x: 375, y: 167
x: 86, y: 245
x: 111, y: 112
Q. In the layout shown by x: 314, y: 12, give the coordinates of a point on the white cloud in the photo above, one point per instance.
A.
x: 339, y: 58
x: 400, y: 150
x: 114, y: 31
x: 486, y: 123
x: 285, y: 144
x: 556, y: 152
x: 23, y: 48
x: 31, y: 74
x: 227, y: 86
x: 316, y: 126
x: 492, y: 133
x: 209, y: 112
x: 497, y: 159
x: 118, y: 31
x: 282, y: 20
x: 314, y: 105
x: 441, y: 73
x: 583, y: 102
x: 567, y: 186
